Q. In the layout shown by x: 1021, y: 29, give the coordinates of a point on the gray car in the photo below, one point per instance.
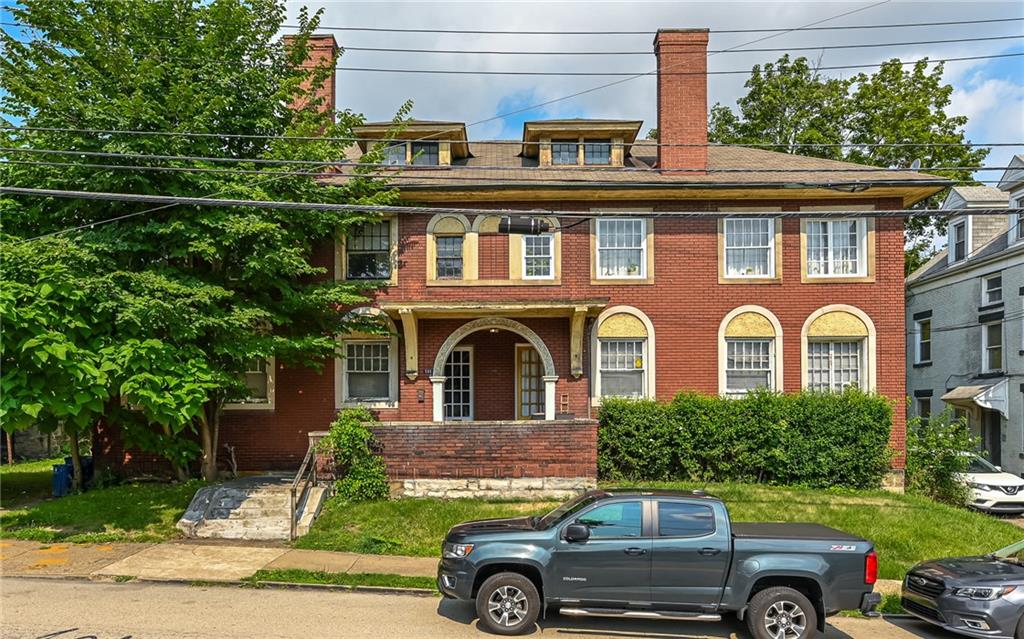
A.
x: 975, y: 596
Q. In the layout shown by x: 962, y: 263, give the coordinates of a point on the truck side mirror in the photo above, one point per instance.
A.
x: 577, y: 532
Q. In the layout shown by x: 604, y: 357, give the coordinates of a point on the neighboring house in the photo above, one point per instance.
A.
x: 965, y: 313
x: 500, y: 348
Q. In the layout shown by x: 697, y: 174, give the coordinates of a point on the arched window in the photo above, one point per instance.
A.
x: 451, y: 248
x: 622, y: 350
x: 838, y: 349
x: 749, y: 351
x: 366, y: 374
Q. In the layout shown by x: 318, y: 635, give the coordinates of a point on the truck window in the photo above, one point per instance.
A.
x: 679, y: 519
x: 621, y: 519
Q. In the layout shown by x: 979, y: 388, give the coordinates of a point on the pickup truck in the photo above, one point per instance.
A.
x: 657, y: 555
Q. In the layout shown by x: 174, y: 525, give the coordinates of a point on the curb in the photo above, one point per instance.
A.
x: 379, y: 590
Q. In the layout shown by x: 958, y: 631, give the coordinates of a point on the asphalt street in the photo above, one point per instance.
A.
x: 62, y: 609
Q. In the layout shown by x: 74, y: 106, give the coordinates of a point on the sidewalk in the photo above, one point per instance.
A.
x: 191, y: 561
x: 208, y: 562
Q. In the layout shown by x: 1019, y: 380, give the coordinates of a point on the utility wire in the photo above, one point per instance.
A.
x: 772, y: 30
x: 442, y: 170
x: 659, y: 73
x: 828, y: 47
x: 642, y: 143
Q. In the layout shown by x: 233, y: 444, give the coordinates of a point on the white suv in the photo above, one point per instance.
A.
x: 993, y: 491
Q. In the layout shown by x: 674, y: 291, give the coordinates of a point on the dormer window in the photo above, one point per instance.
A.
x: 394, y: 155
x: 958, y: 243
x: 425, y: 153
x: 565, y: 152
x: 597, y: 152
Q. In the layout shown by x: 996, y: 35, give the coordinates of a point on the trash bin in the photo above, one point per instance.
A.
x: 61, y: 480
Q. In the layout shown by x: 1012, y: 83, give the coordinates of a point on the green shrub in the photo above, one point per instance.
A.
x: 363, y: 476
x: 811, y: 439
x: 935, y: 457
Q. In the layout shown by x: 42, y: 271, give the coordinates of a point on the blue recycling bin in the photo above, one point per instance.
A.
x: 61, y: 479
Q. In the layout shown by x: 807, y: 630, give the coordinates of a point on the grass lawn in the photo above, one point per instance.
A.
x: 131, y: 512
x: 905, y: 529
x: 297, y: 576
x: 26, y: 482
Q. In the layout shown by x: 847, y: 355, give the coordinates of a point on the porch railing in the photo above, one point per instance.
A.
x: 304, y: 480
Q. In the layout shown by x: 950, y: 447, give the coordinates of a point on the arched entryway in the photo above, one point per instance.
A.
x: 443, y: 364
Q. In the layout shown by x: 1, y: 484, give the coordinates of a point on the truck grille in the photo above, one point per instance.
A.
x: 926, y: 586
x: 924, y: 611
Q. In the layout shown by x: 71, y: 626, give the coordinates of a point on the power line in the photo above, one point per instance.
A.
x: 643, y: 143
x: 442, y: 170
x: 772, y: 30
x: 647, y: 53
x: 657, y: 72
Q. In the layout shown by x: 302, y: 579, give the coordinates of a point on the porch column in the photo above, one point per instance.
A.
x: 437, y: 395
x: 549, y: 396
x: 412, y: 347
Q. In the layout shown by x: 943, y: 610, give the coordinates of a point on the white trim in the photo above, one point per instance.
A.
x: 643, y: 248
x: 771, y: 249
x: 271, y: 379
x: 985, y: 301
x: 950, y: 243
x: 472, y: 383
x: 917, y: 340
x: 869, y: 350
x: 723, y: 354
x: 862, y: 248
x: 551, y: 257
x: 340, y: 378
x: 650, y: 387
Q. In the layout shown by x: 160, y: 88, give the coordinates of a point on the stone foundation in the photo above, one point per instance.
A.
x: 517, y: 488
x: 894, y: 481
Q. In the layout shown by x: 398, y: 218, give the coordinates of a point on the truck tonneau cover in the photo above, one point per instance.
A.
x: 789, y: 531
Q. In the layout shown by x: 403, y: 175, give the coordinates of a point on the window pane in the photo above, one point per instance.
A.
x: 564, y: 153
x: 994, y: 347
x: 597, y: 152
x: 832, y: 366
x: 367, y: 367
x: 449, y: 257
x: 959, y: 241
x: 684, y: 520
x: 614, y: 520
x: 368, y: 252
x: 748, y: 247
x: 748, y: 365
x: 620, y: 251
x: 622, y: 368
x: 994, y: 290
x: 537, y: 255
x: 845, y: 247
x: 924, y: 341
x: 424, y: 154
x: 817, y: 248
x: 395, y: 155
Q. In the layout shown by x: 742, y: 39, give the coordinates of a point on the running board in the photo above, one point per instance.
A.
x: 671, y: 615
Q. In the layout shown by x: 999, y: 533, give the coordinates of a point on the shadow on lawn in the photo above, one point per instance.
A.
x: 132, y: 512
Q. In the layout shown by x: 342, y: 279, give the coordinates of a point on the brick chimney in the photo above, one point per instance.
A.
x: 323, y: 50
x: 682, y: 97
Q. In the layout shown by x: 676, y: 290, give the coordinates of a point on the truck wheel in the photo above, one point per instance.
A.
x: 781, y: 613
x: 507, y: 604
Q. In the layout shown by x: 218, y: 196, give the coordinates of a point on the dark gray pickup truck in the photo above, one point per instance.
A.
x: 657, y: 555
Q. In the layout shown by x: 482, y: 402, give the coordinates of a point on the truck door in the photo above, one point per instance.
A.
x: 613, y: 566
x: 690, y: 554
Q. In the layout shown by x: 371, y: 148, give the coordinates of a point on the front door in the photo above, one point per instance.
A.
x: 991, y: 435
x: 690, y: 555
x: 613, y: 567
x: 458, y: 385
x: 529, y: 383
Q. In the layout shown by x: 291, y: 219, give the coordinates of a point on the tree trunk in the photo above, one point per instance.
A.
x: 10, y: 448
x: 181, y: 472
x: 209, y: 431
x: 76, y: 464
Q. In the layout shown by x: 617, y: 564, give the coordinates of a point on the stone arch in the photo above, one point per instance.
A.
x: 750, y: 320
x: 503, y: 323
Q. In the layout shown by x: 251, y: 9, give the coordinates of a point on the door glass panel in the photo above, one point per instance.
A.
x: 684, y: 520
x: 458, y: 385
x: 531, y: 386
x: 621, y: 519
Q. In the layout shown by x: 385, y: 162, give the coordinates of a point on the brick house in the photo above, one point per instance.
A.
x: 501, y: 346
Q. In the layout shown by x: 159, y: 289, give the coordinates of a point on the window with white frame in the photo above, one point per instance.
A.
x: 836, y: 248
x: 394, y: 155
x: 259, y: 382
x: 367, y: 371
x: 368, y: 251
x: 565, y: 152
x: 992, y: 290
x: 538, y: 256
x: 834, y: 365
x: 1018, y: 220
x: 449, y: 257
x: 621, y: 248
x: 749, y: 247
x: 923, y: 328
x: 750, y: 364
x: 958, y: 240
x: 992, y: 347
x: 623, y: 369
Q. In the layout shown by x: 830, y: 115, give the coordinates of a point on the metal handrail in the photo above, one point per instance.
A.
x: 307, y: 476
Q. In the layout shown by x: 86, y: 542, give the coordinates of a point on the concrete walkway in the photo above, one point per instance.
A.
x: 191, y: 561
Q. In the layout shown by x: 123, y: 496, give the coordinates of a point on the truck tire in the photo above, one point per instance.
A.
x: 507, y: 604
x: 781, y: 613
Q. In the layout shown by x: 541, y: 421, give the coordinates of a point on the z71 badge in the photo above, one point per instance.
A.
x: 843, y: 547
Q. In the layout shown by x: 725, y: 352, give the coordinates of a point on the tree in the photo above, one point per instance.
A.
x: 193, y: 293
x: 789, y: 103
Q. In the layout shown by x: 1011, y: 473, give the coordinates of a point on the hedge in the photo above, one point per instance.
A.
x: 807, y: 439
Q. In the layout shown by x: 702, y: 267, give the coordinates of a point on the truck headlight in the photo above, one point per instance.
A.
x: 456, y: 551
x: 985, y: 593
